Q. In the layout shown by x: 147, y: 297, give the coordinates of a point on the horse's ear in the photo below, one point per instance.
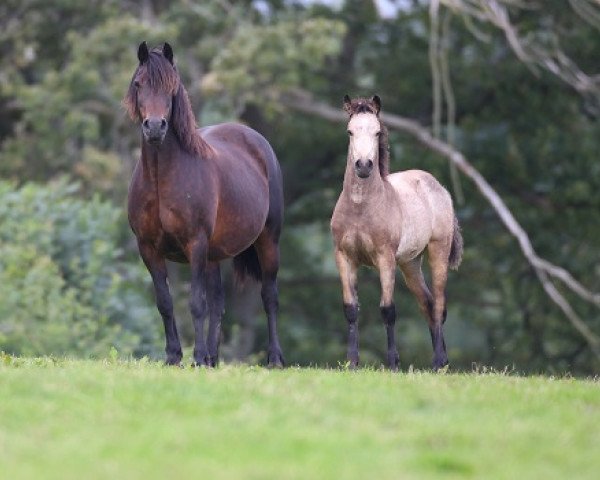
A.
x: 143, y: 52
x: 168, y: 52
x: 377, y: 102
x: 347, y: 104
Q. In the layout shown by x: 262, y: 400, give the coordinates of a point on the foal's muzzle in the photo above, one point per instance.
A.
x: 363, y: 168
x: 154, y: 130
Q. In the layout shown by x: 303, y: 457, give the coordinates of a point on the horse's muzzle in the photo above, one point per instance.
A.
x: 363, y: 168
x: 154, y: 130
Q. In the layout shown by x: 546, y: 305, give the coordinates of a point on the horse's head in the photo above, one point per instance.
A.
x: 153, y: 87
x: 364, y: 130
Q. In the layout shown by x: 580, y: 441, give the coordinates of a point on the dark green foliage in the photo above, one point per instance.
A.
x: 67, y: 286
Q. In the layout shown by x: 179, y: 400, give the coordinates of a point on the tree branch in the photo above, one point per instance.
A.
x: 302, y: 102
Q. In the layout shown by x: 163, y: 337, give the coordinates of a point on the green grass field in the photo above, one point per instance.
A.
x: 109, y: 419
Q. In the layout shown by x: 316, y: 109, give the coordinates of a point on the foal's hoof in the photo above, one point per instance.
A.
x: 275, y: 359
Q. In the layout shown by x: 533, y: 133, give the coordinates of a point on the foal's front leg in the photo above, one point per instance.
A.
x: 347, y: 269
x: 197, y: 252
x: 386, y: 265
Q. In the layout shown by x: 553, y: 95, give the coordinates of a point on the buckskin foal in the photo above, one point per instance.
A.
x: 382, y: 220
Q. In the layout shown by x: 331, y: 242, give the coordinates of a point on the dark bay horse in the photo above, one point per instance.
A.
x: 383, y: 220
x: 199, y: 196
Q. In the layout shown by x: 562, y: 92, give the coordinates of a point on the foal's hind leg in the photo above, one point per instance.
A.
x: 158, y: 271
x: 347, y: 269
x: 386, y: 264
x: 438, y: 252
x: 216, y: 306
x: 267, y: 249
x: 415, y: 282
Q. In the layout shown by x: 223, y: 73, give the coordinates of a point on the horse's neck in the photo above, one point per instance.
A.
x: 155, y: 159
x: 363, y: 192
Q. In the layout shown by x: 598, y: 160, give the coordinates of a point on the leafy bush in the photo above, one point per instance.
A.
x: 67, y: 287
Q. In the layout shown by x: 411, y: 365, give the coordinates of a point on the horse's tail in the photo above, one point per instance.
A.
x: 246, y: 265
x: 456, y: 251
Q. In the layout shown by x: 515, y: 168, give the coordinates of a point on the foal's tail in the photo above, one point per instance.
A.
x: 246, y: 265
x: 456, y: 251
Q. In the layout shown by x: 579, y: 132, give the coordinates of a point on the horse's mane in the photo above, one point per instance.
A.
x: 163, y: 76
x: 366, y: 105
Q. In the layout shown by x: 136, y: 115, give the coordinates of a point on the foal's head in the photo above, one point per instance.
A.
x: 368, y: 146
x: 158, y: 100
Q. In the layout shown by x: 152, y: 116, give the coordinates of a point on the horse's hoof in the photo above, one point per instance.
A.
x: 173, y: 361
x: 351, y: 365
x: 275, y: 360
x: 213, y: 362
x: 393, y: 361
x: 204, y: 362
x: 441, y: 367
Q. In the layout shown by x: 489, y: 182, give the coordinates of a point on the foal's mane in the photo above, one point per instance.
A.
x: 366, y: 105
x: 162, y: 75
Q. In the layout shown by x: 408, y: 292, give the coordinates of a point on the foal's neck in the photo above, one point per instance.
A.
x: 362, y: 192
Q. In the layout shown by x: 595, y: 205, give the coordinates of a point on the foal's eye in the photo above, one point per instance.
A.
x: 136, y: 84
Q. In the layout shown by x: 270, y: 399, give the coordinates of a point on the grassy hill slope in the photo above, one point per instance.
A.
x: 102, y: 419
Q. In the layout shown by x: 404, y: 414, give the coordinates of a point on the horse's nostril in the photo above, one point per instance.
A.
x: 357, y: 164
x: 163, y: 124
x: 370, y: 164
x: 145, y: 123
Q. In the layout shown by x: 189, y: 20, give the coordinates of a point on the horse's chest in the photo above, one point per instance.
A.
x: 360, y: 244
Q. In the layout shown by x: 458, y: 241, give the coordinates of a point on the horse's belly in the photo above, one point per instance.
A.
x: 237, y: 228
x: 414, y: 235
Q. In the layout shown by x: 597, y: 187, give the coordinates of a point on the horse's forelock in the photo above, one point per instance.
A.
x: 160, y: 73
x: 361, y: 105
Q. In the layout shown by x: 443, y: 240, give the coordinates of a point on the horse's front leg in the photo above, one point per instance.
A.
x: 158, y: 271
x: 216, y: 308
x: 386, y: 265
x: 347, y: 269
x: 197, y: 252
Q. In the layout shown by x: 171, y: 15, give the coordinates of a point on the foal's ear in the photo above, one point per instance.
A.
x: 377, y: 102
x: 168, y: 52
x: 347, y: 104
x: 143, y: 52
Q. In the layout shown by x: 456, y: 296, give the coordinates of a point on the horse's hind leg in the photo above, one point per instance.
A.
x: 216, y: 306
x: 267, y: 249
x: 196, y: 253
x: 158, y: 271
x: 347, y: 269
x: 439, y: 252
x: 387, y: 276
x: 415, y: 282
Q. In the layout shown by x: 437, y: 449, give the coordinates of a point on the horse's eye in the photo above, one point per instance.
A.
x: 349, y: 133
x: 378, y: 134
x: 136, y: 84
